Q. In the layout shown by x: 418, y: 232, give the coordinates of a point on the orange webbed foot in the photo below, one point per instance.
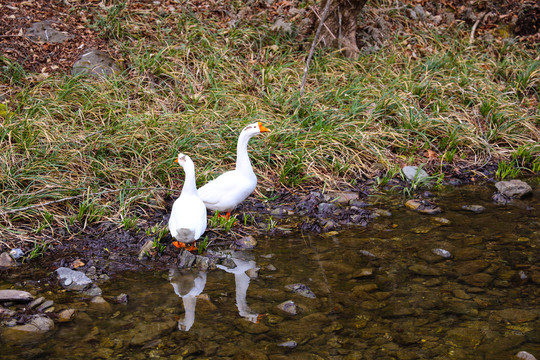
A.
x: 182, y: 245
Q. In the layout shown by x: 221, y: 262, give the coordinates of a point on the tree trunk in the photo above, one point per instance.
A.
x: 339, y: 30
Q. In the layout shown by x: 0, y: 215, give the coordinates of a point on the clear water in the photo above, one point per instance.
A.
x: 405, y: 302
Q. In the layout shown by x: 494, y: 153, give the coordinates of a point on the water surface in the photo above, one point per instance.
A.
x: 382, y: 292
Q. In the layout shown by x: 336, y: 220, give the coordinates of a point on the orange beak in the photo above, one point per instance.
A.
x: 262, y: 128
x: 176, y: 160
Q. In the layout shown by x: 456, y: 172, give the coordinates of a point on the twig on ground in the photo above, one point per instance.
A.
x: 312, y: 50
x: 480, y: 18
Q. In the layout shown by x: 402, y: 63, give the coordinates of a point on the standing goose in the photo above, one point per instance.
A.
x: 188, y: 216
x: 229, y: 189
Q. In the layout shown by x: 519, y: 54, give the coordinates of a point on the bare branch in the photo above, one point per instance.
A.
x: 312, y: 50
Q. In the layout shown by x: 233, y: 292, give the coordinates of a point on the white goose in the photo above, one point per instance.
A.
x: 228, y: 190
x: 188, y: 216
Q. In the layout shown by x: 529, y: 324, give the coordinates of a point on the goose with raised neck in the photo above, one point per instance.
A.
x: 229, y: 189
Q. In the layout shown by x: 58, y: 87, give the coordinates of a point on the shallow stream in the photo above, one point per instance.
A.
x: 407, y: 286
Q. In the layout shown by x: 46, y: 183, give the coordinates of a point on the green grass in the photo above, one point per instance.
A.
x: 191, y: 84
x: 220, y: 222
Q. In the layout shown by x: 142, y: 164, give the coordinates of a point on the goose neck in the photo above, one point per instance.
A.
x: 242, y: 158
x: 190, y: 185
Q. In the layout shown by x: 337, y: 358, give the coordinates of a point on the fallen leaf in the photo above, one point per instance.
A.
x: 430, y: 154
x: 77, y: 263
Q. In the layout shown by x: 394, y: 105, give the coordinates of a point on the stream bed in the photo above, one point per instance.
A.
x: 459, y: 285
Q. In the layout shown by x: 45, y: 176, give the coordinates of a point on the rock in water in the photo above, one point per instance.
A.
x: 423, y: 206
x: 523, y: 355
x: 515, y: 189
x: 474, y: 208
x: 288, y: 307
x: 443, y: 253
x: 15, y: 295
x: 66, y: 315
x: 301, y: 289
x: 30, y: 332
x: 291, y: 344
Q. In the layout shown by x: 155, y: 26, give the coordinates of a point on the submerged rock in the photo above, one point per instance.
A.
x: 99, y: 304
x: 367, y: 253
x: 516, y: 316
x: 288, y: 307
x: 144, y: 332
x: 30, y: 332
x: 474, y: 208
x: 523, y: 355
x: 443, y: 253
x: 72, y: 279
x: 66, y: 315
x: 301, y: 289
x: 291, y: 344
x: 93, y: 291
x: 441, y: 221
x: 424, y: 270
x: 464, y: 337
x: 423, y: 206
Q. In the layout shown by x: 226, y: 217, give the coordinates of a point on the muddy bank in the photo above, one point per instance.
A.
x: 109, y: 247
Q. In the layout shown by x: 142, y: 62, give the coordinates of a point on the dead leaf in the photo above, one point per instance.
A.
x: 77, y: 263
x: 430, y: 154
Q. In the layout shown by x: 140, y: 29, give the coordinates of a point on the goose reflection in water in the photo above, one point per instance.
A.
x: 187, y: 284
x: 242, y: 283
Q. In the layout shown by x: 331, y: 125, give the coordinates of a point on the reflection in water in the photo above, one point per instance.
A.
x: 187, y: 284
x: 242, y: 283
